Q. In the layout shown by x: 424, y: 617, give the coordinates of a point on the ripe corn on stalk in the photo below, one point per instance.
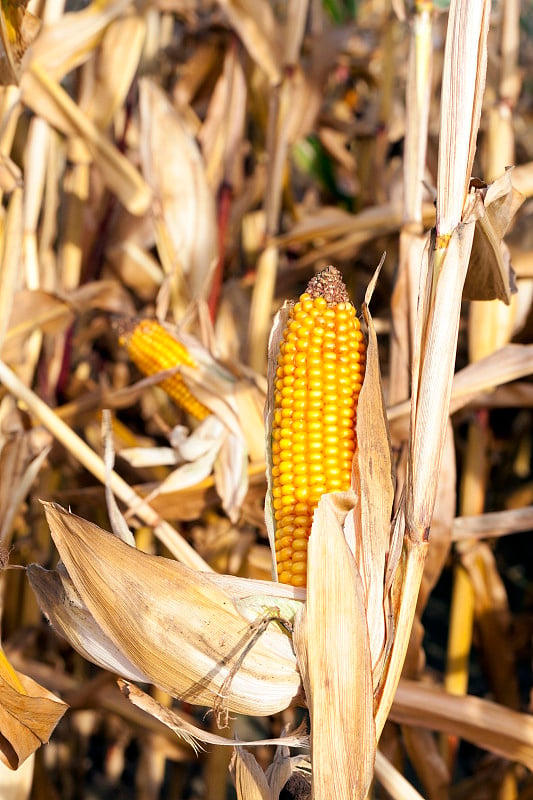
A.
x: 153, y: 350
x: 319, y: 374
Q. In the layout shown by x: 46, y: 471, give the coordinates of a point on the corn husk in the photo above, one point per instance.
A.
x: 184, y: 213
x: 186, y: 635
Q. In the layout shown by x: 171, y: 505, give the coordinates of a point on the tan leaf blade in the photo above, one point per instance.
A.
x: 192, y: 733
x: 28, y: 715
x: 175, y: 625
x: 491, y: 726
x: 339, y: 666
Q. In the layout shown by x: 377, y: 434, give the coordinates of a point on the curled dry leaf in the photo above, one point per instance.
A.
x: 28, y: 714
x: 490, y: 275
x: 173, y: 624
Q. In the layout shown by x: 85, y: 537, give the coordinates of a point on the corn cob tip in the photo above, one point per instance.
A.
x: 328, y: 284
x: 123, y: 328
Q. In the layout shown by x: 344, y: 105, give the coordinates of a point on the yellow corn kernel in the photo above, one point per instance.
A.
x: 320, y: 371
x: 152, y: 349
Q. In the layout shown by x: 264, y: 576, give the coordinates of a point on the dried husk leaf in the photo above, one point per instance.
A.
x: 70, y: 617
x: 222, y: 134
x: 34, y: 309
x: 28, y: 715
x: 490, y: 275
x: 184, y: 633
x: 490, y: 726
x: 107, y: 80
x: 336, y: 662
x: 250, y: 780
x: 374, y: 484
x: 275, y: 339
x: 173, y: 167
x: 192, y: 733
x: 51, y: 313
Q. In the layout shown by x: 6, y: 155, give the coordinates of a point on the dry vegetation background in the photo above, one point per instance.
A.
x: 198, y: 161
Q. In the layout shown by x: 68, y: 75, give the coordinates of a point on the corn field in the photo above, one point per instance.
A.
x: 266, y: 347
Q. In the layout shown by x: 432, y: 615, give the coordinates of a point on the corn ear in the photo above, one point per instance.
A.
x: 320, y: 369
x: 154, y: 350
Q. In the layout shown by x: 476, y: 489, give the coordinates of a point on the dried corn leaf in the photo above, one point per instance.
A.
x: 28, y: 714
x: 486, y: 724
x: 183, y: 632
x: 174, y: 169
x: 48, y: 99
x: 191, y: 733
x: 497, y: 523
x: 71, y: 40
x: 490, y: 275
x: 107, y: 80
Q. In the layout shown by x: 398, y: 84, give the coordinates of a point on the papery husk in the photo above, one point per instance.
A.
x: 69, y: 616
x: 331, y: 640
x: 275, y: 339
x: 28, y: 714
x: 373, y: 481
x: 185, y: 218
x: 174, y: 625
x: 192, y: 734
